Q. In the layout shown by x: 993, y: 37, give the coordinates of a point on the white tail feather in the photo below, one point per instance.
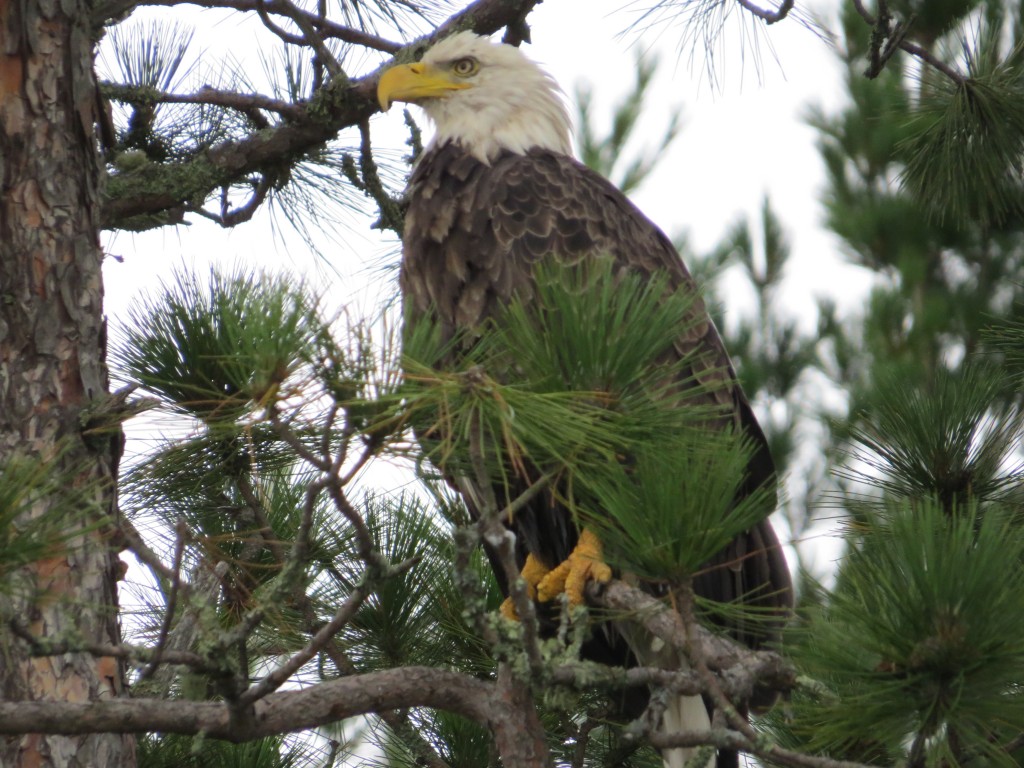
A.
x: 685, y: 713
x: 682, y: 713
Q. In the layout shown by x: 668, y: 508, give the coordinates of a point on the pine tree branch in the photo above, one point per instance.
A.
x: 133, y: 542
x: 156, y: 193
x: 897, y: 39
x: 518, y: 732
x: 712, y: 688
x: 256, y: 507
x: 42, y: 646
x: 739, y: 669
x: 230, y: 217
x: 324, y: 635
x: 588, y: 676
x: 368, y: 180
x: 364, y: 540
x: 280, y: 712
x: 334, y: 484
x: 726, y: 739
x: 721, y: 654
x: 493, y: 531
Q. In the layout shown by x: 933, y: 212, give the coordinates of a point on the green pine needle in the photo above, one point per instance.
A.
x: 196, y: 479
x: 175, y: 751
x: 967, y: 142
x: 223, y: 349
x: 595, y: 370
x: 410, y: 618
x: 600, y: 410
x: 459, y: 742
x: 588, y: 329
x: 665, y: 511
x: 923, y: 639
x: 955, y: 441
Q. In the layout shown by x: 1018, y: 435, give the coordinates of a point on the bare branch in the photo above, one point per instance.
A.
x: 279, y: 676
x: 138, y: 655
x: 695, y: 651
x: 499, y: 538
x: 246, y: 103
x: 172, y: 600
x: 326, y: 28
x: 364, y: 540
x: 590, y: 676
x: 726, y: 739
x: 739, y: 670
x: 134, y: 542
x: 310, y: 36
x: 368, y: 180
x: 281, y: 712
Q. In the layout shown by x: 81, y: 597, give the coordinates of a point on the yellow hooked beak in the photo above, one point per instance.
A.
x: 415, y: 82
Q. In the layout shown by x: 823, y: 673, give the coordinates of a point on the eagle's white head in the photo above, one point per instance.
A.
x: 485, y: 96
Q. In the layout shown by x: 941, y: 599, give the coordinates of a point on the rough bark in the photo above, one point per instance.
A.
x: 518, y: 733
x: 52, y: 367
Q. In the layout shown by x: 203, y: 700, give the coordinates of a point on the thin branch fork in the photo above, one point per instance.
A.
x: 897, y: 39
x: 320, y: 639
x: 323, y: 634
x: 310, y: 35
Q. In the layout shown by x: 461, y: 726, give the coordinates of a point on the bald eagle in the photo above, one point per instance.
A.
x: 497, y: 192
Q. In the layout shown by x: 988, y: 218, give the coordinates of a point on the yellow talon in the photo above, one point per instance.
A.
x: 508, y: 609
x: 585, y: 563
x: 533, y: 573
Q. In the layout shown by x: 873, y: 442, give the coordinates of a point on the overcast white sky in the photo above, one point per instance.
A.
x: 742, y: 139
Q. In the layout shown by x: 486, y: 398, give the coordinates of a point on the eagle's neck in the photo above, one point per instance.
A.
x: 485, y: 127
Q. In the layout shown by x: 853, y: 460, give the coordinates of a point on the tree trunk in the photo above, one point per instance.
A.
x: 51, y: 368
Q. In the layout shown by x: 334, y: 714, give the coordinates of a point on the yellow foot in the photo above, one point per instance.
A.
x: 533, y: 572
x: 585, y: 563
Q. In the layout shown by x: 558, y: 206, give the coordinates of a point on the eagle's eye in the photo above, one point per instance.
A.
x: 465, y: 67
